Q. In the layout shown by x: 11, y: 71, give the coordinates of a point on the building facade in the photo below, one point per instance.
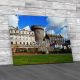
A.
x: 34, y: 40
x: 56, y: 40
x: 21, y: 38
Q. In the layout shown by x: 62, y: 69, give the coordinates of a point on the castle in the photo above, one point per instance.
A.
x: 34, y: 40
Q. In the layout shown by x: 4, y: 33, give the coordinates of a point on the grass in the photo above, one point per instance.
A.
x: 42, y: 59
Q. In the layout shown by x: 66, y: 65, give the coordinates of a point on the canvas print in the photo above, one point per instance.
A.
x: 39, y: 39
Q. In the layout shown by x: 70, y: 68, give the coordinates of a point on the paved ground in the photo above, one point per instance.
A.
x: 69, y: 71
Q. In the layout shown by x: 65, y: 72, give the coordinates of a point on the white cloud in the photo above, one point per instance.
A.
x: 58, y: 24
x: 64, y: 33
x: 51, y: 32
x: 56, y: 21
x: 44, y: 28
x: 27, y: 28
x: 13, y: 20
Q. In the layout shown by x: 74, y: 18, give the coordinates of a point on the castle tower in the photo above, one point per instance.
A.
x: 39, y: 32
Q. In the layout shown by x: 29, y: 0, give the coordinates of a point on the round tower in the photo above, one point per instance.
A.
x: 39, y: 32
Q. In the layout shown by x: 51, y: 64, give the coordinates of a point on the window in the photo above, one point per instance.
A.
x: 27, y: 43
x: 32, y: 33
x: 11, y: 37
x: 30, y: 43
x: 29, y: 32
x: 24, y: 43
x: 23, y: 32
x: 34, y: 43
x: 11, y: 42
x: 16, y: 42
x: 10, y: 31
x: 20, y: 42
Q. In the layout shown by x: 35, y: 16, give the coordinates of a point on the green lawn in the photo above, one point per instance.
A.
x: 42, y: 59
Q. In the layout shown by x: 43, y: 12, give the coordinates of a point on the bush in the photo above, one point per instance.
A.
x: 60, y: 51
x: 41, y: 52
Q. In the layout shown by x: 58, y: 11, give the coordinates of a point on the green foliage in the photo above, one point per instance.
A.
x: 60, y: 51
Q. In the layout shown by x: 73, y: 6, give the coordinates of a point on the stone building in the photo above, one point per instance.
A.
x: 39, y: 32
x: 34, y: 39
x: 22, y: 38
x: 56, y: 40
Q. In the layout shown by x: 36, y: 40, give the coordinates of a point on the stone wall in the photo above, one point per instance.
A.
x: 69, y: 9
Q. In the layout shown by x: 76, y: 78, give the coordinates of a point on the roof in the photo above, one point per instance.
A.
x: 52, y: 35
x: 36, y: 27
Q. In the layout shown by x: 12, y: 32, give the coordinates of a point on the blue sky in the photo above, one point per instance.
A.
x: 53, y: 25
x: 32, y: 20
